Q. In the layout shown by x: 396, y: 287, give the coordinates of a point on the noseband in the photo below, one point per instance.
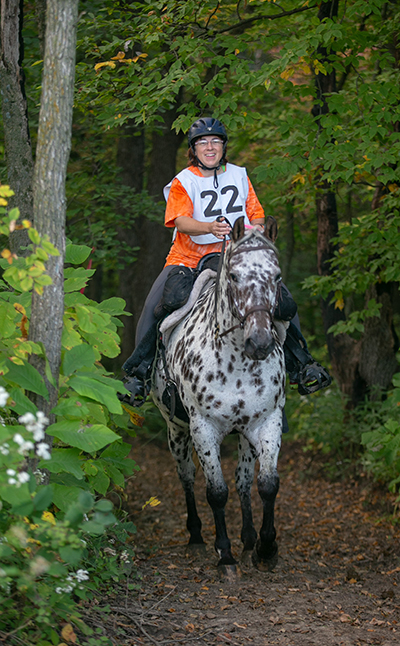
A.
x: 232, y: 303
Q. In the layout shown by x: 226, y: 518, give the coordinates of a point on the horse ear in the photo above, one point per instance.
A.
x: 238, y: 229
x: 271, y: 229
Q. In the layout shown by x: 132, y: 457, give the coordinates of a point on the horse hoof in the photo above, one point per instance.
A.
x: 265, y: 564
x: 195, y: 549
x: 246, y: 558
x: 228, y: 573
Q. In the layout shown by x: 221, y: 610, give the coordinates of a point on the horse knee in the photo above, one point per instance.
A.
x: 268, y: 487
x: 217, y: 497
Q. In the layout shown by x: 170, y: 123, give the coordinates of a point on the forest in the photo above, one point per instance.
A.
x: 97, y: 98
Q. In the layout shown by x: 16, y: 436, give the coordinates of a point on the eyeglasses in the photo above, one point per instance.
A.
x: 202, y: 143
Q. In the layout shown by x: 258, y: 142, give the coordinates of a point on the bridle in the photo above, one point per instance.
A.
x: 233, y: 306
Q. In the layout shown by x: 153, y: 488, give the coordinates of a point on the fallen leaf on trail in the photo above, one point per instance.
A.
x: 171, y: 610
x: 377, y: 622
x: 239, y: 625
x: 68, y: 634
x: 172, y: 567
x: 275, y: 619
x: 189, y: 628
x: 345, y: 619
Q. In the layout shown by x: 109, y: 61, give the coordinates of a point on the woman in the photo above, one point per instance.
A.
x: 196, y: 198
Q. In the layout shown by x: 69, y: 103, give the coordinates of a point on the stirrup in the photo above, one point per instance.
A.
x: 312, y: 377
x: 138, y: 389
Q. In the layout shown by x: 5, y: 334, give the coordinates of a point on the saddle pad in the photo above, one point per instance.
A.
x: 203, y: 282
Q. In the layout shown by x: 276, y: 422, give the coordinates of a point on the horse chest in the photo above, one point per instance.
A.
x: 219, y: 382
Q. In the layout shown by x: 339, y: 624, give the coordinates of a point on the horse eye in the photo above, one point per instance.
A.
x: 278, y: 278
x: 233, y: 277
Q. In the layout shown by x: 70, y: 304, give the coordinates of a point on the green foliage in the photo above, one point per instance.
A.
x: 367, y: 253
x: 51, y: 530
x: 382, y: 442
x: 363, y: 440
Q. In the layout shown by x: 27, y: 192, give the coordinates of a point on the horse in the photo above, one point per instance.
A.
x: 226, y: 361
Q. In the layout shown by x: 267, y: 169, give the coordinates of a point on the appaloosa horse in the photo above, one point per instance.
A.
x: 227, y: 362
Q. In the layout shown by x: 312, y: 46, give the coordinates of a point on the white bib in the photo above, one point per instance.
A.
x: 229, y: 199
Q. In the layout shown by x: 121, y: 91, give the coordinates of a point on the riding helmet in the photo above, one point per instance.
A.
x: 206, y: 126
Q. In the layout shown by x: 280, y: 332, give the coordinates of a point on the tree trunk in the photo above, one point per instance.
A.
x: 358, y: 365
x: 53, y: 147
x: 152, y: 238
x: 17, y: 143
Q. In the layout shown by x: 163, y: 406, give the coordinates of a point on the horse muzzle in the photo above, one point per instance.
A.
x: 258, y: 349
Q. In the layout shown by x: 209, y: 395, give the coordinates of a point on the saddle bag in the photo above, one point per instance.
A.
x: 177, y: 290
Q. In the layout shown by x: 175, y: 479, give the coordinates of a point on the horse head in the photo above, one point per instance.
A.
x: 252, y: 277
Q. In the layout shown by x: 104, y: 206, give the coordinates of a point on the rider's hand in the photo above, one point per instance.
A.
x: 220, y: 229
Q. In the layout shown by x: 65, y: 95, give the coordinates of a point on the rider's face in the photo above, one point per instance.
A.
x: 209, y: 150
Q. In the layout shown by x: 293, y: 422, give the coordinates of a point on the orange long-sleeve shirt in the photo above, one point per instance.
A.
x: 184, y: 251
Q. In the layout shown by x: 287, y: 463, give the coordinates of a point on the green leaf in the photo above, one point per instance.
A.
x: 100, y: 482
x: 70, y: 555
x: 7, y: 319
x: 27, y: 377
x: 89, y: 438
x: 93, y: 389
x: 20, y: 402
x: 64, y: 496
x: 78, y: 357
x: 64, y: 460
x: 43, y: 498
x: 17, y: 497
x: 76, y: 279
x: 76, y: 254
x: 114, y: 305
x: 71, y: 406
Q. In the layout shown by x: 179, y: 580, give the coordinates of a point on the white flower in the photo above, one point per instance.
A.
x: 27, y: 418
x: 42, y: 450
x: 41, y: 417
x: 23, y: 477
x: 67, y: 589
x: 11, y: 472
x: 4, y: 449
x: 39, y: 475
x: 13, y: 481
x: 3, y: 397
x: 24, y: 446
x: 82, y: 575
x: 35, y: 424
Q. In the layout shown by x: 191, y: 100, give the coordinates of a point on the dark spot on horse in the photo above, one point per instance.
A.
x: 238, y: 383
x: 207, y: 453
x: 210, y: 377
x: 172, y: 445
x: 217, y: 404
x: 233, y: 358
x: 230, y: 367
x: 209, y: 398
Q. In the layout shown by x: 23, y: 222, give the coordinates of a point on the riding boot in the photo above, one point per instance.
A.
x: 304, y: 372
x: 138, y: 369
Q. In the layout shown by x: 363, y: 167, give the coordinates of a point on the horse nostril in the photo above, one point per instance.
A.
x: 256, y: 351
x: 250, y: 347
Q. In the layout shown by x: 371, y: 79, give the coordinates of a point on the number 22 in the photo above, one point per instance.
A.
x: 210, y: 212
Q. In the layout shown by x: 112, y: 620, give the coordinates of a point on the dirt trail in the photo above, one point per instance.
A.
x: 337, y: 581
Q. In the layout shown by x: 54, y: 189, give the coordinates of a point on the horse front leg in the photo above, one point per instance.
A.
x: 265, y: 553
x: 208, y: 451
x: 244, y: 479
x: 180, y: 446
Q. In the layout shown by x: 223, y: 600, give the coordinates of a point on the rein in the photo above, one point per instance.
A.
x: 241, y: 317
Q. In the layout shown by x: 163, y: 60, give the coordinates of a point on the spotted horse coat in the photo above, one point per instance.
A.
x: 233, y: 381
